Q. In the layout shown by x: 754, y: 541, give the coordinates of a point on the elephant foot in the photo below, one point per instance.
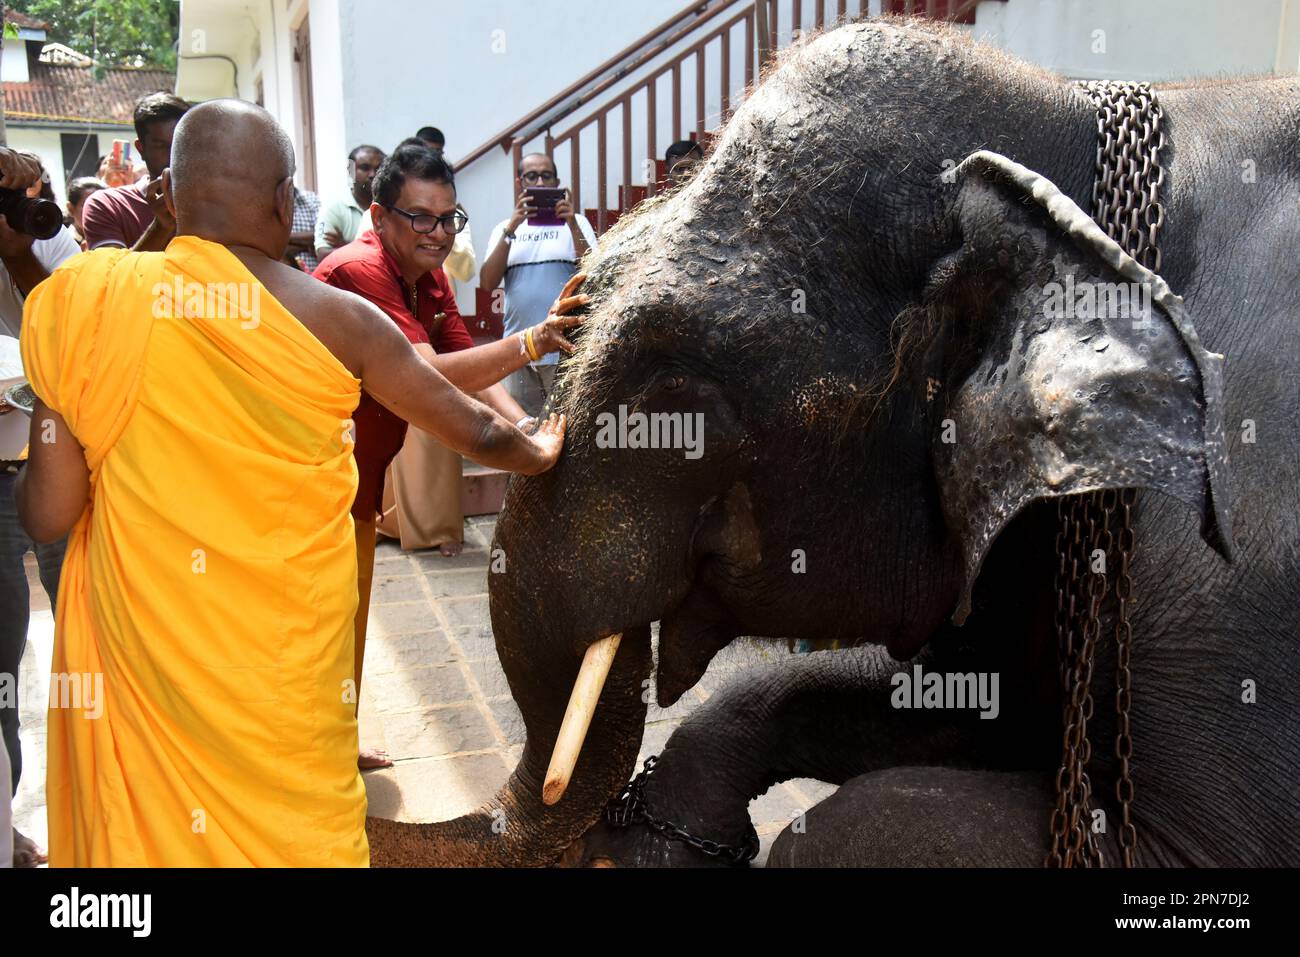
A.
x: 924, y: 817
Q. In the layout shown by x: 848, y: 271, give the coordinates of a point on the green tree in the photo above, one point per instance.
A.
x: 114, y: 32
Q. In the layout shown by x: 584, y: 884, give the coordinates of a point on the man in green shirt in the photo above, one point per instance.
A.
x: 340, y: 221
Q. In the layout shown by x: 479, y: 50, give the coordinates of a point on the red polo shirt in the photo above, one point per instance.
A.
x: 426, y: 314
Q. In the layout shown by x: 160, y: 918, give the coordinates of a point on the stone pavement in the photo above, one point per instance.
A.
x: 433, y: 696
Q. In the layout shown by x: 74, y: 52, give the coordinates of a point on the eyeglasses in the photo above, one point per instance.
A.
x: 425, y: 223
x: 535, y: 176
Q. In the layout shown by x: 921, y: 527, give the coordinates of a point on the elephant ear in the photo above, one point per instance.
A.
x: 1041, y: 383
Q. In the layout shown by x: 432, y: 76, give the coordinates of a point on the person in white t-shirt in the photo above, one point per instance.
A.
x: 24, y: 262
x: 535, y: 262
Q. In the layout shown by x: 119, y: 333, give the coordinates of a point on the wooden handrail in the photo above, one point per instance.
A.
x: 674, y: 67
x: 701, y: 10
x: 613, y: 157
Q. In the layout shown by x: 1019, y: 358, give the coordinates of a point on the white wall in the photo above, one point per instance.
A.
x: 257, y: 35
x: 470, y: 67
x: 45, y: 144
x: 1154, y: 40
x: 330, y: 44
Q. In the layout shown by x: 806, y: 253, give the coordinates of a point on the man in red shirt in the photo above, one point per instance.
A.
x: 135, y: 216
x: 398, y: 267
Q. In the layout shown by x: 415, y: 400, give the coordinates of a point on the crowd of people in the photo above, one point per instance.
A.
x: 202, y: 497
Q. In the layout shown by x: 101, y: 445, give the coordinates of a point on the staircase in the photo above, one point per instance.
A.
x: 686, y: 76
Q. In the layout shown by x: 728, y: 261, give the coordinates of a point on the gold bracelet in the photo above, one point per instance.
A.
x: 532, y: 347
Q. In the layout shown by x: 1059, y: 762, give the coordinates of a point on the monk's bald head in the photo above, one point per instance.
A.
x: 228, y: 160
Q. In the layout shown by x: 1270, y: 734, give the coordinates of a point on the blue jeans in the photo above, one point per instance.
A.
x: 15, y: 608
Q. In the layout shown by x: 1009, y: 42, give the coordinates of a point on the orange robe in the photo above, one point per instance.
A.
x: 211, y: 581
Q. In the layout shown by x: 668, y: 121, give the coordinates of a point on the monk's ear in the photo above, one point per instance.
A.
x: 284, y: 201
x: 167, y: 191
x: 1057, y: 365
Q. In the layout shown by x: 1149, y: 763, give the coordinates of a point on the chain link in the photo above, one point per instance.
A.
x: 1126, y: 204
x: 630, y: 808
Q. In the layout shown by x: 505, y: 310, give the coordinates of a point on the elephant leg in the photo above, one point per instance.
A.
x: 924, y: 817
x: 828, y: 715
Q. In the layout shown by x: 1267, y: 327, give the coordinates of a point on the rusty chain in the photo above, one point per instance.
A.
x: 629, y: 807
x: 1126, y: 204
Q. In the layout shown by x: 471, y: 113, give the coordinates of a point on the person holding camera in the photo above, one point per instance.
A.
x: 24, y: 262
x: 535, y: 261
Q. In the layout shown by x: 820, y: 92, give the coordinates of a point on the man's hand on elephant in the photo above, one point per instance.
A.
x: 549, y: 438
x: 548, y: 336
x: 18, y: 171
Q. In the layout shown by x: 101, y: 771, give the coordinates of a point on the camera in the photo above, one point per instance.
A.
x: 40, y: 218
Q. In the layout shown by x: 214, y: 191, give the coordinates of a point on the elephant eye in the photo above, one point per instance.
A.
x: 673, y: 382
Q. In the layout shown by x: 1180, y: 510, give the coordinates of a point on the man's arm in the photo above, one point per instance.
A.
x: 493, y: 269
x: 24, y: 268
x: 16, y: 248
x: 29, y: 261
x: 480, y: 368
x: 302, y: 242
x: 54, y: 487
x: 497, y: 398
x: 328, y: 237
x: 398, y: 378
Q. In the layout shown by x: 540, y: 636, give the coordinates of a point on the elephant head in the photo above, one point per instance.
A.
x: 864, y: 335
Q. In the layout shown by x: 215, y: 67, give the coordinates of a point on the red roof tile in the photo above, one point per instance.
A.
x: 63, y: 92
x: 20, y: 19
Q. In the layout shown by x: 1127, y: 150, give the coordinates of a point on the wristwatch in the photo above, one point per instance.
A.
x: 508, y: 237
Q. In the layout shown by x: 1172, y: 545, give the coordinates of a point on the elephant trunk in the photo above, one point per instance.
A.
x: 541, y: 641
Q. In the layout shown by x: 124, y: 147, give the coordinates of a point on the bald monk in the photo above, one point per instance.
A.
x: 200, y: 453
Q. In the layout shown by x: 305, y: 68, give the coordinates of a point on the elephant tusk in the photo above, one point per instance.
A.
x: 577, y: 716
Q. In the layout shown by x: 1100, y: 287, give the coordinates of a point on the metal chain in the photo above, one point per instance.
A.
x: 1123, y: 680
x: 1126, y: 204
x: 630, y: 808
x: 1126, y: 188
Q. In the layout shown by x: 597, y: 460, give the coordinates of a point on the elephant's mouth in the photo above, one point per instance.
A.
x: 689, y: 636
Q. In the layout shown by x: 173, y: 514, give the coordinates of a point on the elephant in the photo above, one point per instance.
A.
x: 828, y: 716
x: 849, y: 299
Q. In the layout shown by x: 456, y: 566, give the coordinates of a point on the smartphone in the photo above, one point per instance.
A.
x: 123, y: 154
x: 543, y: 199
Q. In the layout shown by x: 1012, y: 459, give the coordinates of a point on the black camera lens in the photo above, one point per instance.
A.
x: 35, y: 217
